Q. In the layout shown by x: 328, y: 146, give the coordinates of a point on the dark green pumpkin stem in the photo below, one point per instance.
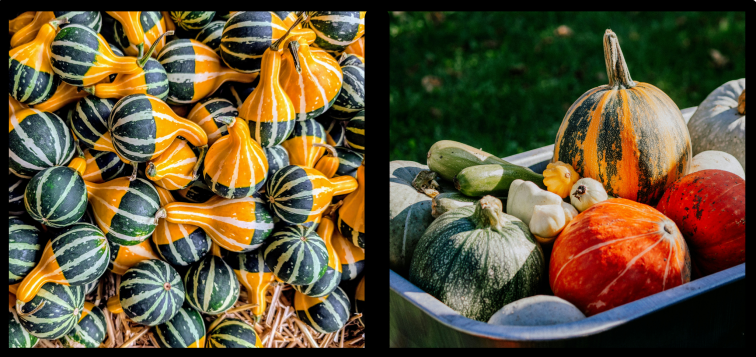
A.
x: 142, y: 61
x: 487, y: 213
x: 616, y: 68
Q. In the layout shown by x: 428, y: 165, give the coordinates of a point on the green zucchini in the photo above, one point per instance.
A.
x: 445, y: 202
x: 448, y: 158
x: 493, y: 180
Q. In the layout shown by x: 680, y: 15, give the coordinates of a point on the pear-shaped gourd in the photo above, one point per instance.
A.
x: 300, y: 144
x: 32, y: 80
x: 236, y: 165
x: 124, y: 209
x: 177, y: 167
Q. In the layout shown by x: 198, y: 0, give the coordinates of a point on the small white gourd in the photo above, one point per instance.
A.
x: 547, y: 221
x: 569, y: 212
x: 587, y: 192
x: 717, y: 160
x: 524, y: 195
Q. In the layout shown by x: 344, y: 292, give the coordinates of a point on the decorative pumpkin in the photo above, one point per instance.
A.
x: 351, y: 99
x: 18, y: 337
x: 337, y: 29
x: 89, y: 123
x: 352, y: 212
x: 132, y: 26
x: 232, y: 333
x: 719, y: 122
x: 185, y: 330
x: 355, y: 132
x: 177, y: 167
x: 237, y: 225
x: 312, y: 82
x: 465, y: 259
x: 53, y: 312
x: 246, y: 37
x: 278, y: 158
x: 195, y: 71
x: 296, y: 255
x: 82, y: 58
x: 211, y: 285
x: 587, y: 192
x: 206, y: 114
x: 254, y: 275
x: 211, y: 35
x: 146, y: 139
x: 268, y: 109
x: 27, y: 33
x: 151, y: 80
x: 324, y: 314
x: 90, y: 331
x: 25, y: 245
x: 235, y: 165
x: 299, y: 145
x: 332, y: 277
x: 192, y: 20
x: 616, y: 252
x: 524, y: 196
x: 352, y: 258
x: 179, y: 244
x: 77, y: 256
x: 559, y: 178
x: 630, y: 136
x: 717, y: 160
x: 152, y: 24
x: 37, y: 140
x: 709, y: 208
x: 56, y: 196
x: 125, y: 257
x: 151, y: 293
x: 124, y: 209
x: 298, y: 194
x: 102, y: 166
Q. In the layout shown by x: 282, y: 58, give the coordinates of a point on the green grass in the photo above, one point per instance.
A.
x: 505, y: 80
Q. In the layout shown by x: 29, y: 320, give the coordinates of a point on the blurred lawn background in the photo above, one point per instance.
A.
x: 503, y: 81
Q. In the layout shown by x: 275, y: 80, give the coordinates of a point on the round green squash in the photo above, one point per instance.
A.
x: 232, y: 333
x: 186, y: 329
x: 192, y: 20
x: 478, y: 259
x: 90, y: 331
x: 211, y: 285
x: 58, y: 316
x: 56, y: 196
x: 296, y: 256
x: 24, y: 249
x: 325, y: 314
x: 151, y: 292
x: 37, y: 140
x: 18, y: 337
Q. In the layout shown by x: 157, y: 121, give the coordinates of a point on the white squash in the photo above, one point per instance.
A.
x: 547, y: 221
x: 587, y: 192
x: 524, y: 195
x: 569, y: 212
x: 717, y: 160
x: 719, y: 122
x: 537, y: 310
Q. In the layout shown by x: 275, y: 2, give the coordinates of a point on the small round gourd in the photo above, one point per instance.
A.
x: 351, y: 99
x: 211, y: 285
x: 716, y: 160
x: 56, y: 196
x: 278, y: 158
x: 355, y: 132
x: 151, y: 292
x: 211, y: 35
x: 587, y: 192
x: 192, y: 20
x: 89, y: 122
x: 60, y: 311
x: 332, y: 277
x: 90, y: 331
x: 337, y: 29
x: 324, y: 314
x: 37, y: 140
x: 123, y: 209
x: 18, y: 337
x: 206, y: 113
x: 559, y: 178
x: 185, y: 330
x: 246, y: 36
x: 296, y: 256
x: 232, y: 333
x: 24, y: 249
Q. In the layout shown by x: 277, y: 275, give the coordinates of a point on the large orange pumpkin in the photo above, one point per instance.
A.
x: 628, y: 135
x: 616, y: 252
x: 709, y: 208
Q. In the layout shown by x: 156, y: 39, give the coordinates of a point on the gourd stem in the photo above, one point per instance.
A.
x: 301, y: 17
x: 741, y: 103
x: 151, y: 172
x: 133, y: 171
x: 330, y: 148
x: 142, y: 61
x: 616, y: 68
x: 161, y: 213
x: 203, y: 151
x: 294, y: 49
x: 487, y: 212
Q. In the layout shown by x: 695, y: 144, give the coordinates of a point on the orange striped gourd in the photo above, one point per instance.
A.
x: 332, y: 277
x: 28, y: 32
x: 151, y: 80
x: 329, y: 163
x: 357, y: 48
x: 124, y: 209
x: 32, y: 79
x: 179, y: 244
x: 236, y: 165
x: 132, y: 25
x: 237, y: 225
x: 124, y: 257
x: 101, y: 166
x: 152, y: 23
x: 177, y: 167
x: 254, y: 275
x: 352, y: 212
x: 299, y: 145
x: 205, y: 113
x: 352, y: 258
x: 20, y: 21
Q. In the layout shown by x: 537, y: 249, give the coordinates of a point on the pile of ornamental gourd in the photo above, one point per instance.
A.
x: 186, y: 179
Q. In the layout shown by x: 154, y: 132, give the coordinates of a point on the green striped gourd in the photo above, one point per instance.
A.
x: 152, y: 80
x: 350, y: 59
x: 32, y: 80
x: 18, y: 337
x: 197, y: 192
x: 324, y: 314
x: 24, y: 248
x: 246, y: 36
x: 206, y: 113
x: 151, y: 292
x: 175, y: 168
x: 102, y: 166
x: 91, y: 19
x: 147, y: 138
x: 232, y: 333
x: 355, y: 132
x: 211, y: 35
x: 82, y: 58
x: 268, y: 109
x: 89, y: 122
x: 351, y: 222
x: 334, y: 130
x: 17, y: 186
x: 195, y: 71
x: 337, y: 29
x: 351, y: 99
x: 37, y: 140
x: 299, y: 195
x: 152, y: 25
x: 211, y: 285
x: 185, y: 330
x: 351, y: 257
x: 90, y: 331
x: 235, y: 166
x: 359, y: 300
x: 237, y: 225
x: 192, y: 20
x: 56, y: 196
x: 76, y: 257
x: 179, y: 244
x: 124, y: 210
x: 124, y: 257
x: 296, y: 255
x: 60, y: 310
x: 349, y: 162
x: 300, y: 143
x: 254, y: 274
x: 277, y: 157
x: 312, y: 79
x: 332, y: 277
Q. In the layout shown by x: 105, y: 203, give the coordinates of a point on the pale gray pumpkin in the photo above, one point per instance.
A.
x: 719, y: 122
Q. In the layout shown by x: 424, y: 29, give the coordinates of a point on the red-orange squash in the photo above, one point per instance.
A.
x: 628, y: 135
x: 709, y: 208
x: 616, y: 252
